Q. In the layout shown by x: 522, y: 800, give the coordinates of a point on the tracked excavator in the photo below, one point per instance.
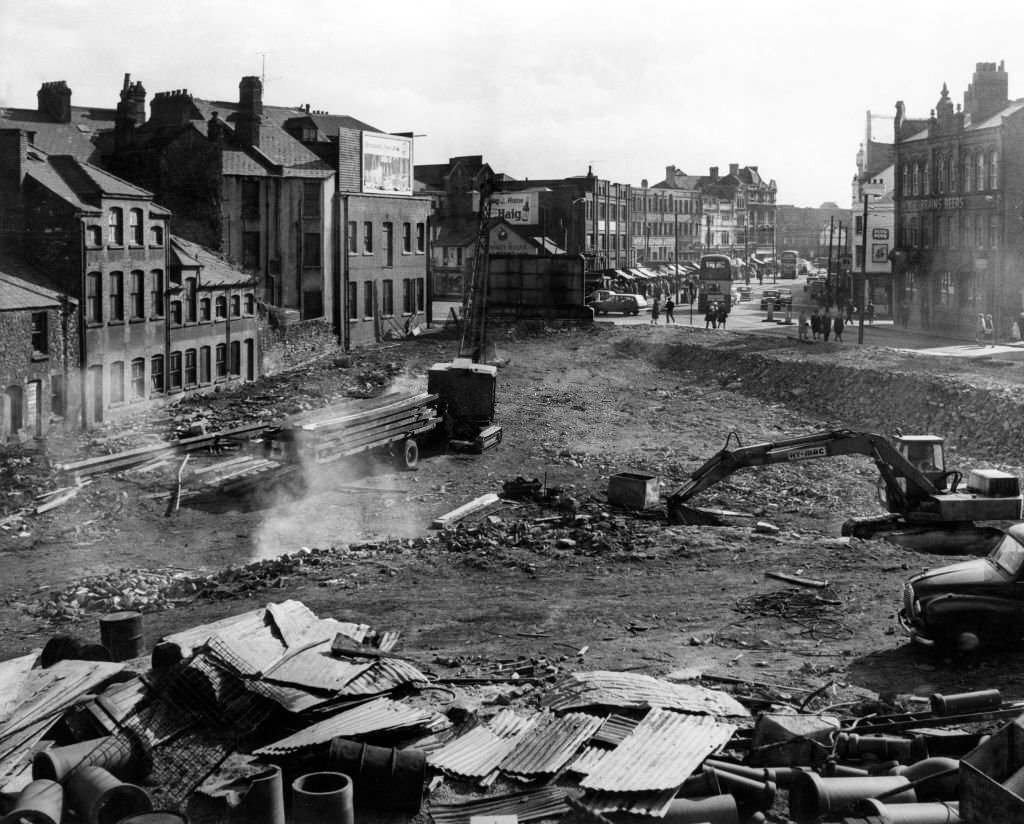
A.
x: 923, y: 498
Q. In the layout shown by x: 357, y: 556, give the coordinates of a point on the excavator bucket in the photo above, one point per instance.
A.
x: 692, y: 516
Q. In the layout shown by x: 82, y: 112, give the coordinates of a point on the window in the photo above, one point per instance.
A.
x: 222, y: 360
x: 979, y: 231
x: 368, y: 299
x: 389, y: 244
x: 927, y: 182
x: 968, y: 174
x: 139, y: 378
x: 191, y: 376
x: 135, y: 227
x: 250, y: 304
x: 236, y: 306
x: 250, y: 199
x: 993, y: 231
x: 204, y: 364
x: 176, y: 312
x: 387, y: 298
x: 116, y: 296
x: 156, y: 373
x: 93, y: 298
x: 250, y: 250
x: 951, y: 231
x: 904, y: 180
x: 191, y: 306
x: 311, y: 249
x: 40, y: 335
x: 156, y: 235
x: 311, y: 193
x: 406, y: 238
x: 408, y: 297
x: 157, y: 293
x: 458, y: 255
x: 352, y: 248
x: 115, y: 226
x: 352, y: 299
x: 204, y: 309
x: 420, y: 239
x: 993, y: 170
x: 137, y: 295
x: 222, y: 307
x: 420, y: 294
x: 367, y: 237
x: 951, y: 172
x: 915, y: 180
x: 117, y: 382
x: 979, y: 177
x: 940, y: 181
x: 250, y: 359
x: 236, y: 357
x: 174, y: 372
x: 94, y: 236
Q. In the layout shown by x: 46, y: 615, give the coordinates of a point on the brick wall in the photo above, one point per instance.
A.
x: 285, y: 341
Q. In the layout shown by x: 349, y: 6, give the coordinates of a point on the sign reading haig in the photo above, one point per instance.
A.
x: 515, y: 207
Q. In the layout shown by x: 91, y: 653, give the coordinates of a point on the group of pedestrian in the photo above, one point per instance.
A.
x: 821, y: 325
x: 715, y: 315
x: 670, y: 308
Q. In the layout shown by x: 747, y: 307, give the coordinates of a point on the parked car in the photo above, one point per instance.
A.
x: 778, y: 298
x: 744, y: 292
x: 598, y: 294
x: 625, y: 303
x: 973, y: 602
x: 785, y: 298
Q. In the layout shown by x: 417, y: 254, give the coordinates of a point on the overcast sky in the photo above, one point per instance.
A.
x: 546, y: 88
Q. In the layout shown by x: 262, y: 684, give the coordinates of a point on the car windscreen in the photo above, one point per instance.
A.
x: 1008, y: 555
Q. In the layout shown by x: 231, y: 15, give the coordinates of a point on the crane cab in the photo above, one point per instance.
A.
x: 927, y: 455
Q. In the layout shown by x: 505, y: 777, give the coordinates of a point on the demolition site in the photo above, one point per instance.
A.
x: 608, y: 574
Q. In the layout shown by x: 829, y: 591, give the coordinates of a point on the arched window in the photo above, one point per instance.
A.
x: 951, y: 172
x: 993, y: 170
x: 993, y: 231
x: 968, y: 174
x: 915, y: 235
x: 115, y: 226
x: 940, y: 179
x: 915, y: 180
x: 905, y: 180
x: 979, y: 176
x: 926, y: 183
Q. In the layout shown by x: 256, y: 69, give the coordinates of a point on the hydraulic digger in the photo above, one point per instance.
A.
x: 915, y: 486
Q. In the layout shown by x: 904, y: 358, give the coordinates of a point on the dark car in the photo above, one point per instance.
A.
x: 625, y: 303
x: 973, y: 602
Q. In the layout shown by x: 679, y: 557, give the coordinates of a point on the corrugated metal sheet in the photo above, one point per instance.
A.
x: 615, y: 729
x: 654, y: 804
x: 547, y: 802
x: 589, y: 759
x: 602, y: 688
x: 374, y: 716
x: 661, y: 752
x: 549, y: 744
x: 479, y: 751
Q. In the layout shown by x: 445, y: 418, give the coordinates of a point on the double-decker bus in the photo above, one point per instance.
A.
x: 789, y: 262
x: 716, y: 274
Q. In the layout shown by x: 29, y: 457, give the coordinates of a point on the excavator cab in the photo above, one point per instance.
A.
x: 926, y: 453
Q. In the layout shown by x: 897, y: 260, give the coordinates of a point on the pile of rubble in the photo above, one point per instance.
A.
x: 276, y: 709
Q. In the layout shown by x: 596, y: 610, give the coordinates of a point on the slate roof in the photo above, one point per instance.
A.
x: 213, y: 269
x: 81, y: 184
x: 23, y: 286
x: 81, y: 138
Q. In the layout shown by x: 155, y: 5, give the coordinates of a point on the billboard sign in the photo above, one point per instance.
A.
x: 515, y: 207
x: 387, y: 164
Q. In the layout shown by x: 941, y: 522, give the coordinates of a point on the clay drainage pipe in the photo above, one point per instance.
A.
x: 322, y: 798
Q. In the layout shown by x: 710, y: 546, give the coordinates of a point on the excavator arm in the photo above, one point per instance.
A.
x: 907, y: 487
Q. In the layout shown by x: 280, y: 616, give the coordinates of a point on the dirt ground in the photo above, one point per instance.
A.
x: 565, y: 583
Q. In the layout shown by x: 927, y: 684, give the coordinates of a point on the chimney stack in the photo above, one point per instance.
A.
x: 250, y: 110
x: 55, y: 100
x: 734, y: 169
x: 131, y: 111
x: 714, y: 173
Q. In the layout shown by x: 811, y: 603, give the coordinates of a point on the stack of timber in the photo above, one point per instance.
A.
x: 357, y: 426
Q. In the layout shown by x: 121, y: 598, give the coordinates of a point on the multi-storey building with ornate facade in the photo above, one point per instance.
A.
x: 739, y: 211
x: 666, y: 223
x: 959, y: 198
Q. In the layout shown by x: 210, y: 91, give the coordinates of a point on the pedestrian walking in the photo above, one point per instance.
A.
x: 801, y: 329
x: 655, y: 311
x: 837, y: 327
x: 826, y: 326
x: 669, y: 309
x: 849, y: 311
x: 723, y: 314
x: 871, y: 313
x: 710, y: 319
x: 815, y: 326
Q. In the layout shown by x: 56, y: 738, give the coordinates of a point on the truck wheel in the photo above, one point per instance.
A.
x: 408, y: 454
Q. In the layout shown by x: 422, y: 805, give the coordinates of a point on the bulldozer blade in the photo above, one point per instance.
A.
x: 692, y: 516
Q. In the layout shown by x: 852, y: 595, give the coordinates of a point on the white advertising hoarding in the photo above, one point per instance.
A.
x: 387, y: 164
x: 515, y: 207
